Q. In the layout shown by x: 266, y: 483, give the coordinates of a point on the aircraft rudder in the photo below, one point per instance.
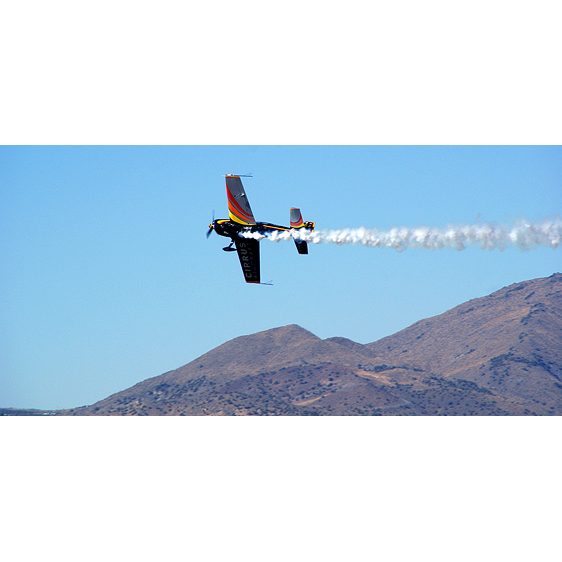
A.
x: 298, y: 222
x: 296, y: 218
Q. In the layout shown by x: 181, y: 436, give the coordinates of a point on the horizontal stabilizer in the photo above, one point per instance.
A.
x: 302, y: 246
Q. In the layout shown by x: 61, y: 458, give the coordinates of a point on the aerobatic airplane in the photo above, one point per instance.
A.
x: 242, y: 220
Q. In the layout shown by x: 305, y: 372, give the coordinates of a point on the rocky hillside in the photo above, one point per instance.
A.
x: 509, y: 342
x: 496, y: 355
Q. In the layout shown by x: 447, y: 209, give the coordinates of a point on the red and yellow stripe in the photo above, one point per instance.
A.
x: 235, y: 211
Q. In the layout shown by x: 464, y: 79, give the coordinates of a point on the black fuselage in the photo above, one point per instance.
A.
x: 231, y: 229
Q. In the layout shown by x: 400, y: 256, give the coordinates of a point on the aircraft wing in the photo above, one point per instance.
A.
x: 249, y: 253
x: 238, y: 204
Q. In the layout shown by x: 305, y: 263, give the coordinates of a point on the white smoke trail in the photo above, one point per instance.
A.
x: 489, y: 236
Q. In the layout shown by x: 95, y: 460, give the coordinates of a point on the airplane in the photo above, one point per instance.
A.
x: 242, y: 221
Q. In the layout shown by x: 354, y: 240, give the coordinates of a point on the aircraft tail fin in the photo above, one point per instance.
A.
x: 297, y: 222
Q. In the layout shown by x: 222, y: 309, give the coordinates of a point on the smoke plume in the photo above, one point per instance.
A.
x: 489, y: 236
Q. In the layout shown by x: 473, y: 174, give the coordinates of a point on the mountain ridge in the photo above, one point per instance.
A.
x: 501, y: 337
x: 500, y: 354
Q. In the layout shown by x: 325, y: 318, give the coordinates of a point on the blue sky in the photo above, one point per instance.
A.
x: 111, y: 280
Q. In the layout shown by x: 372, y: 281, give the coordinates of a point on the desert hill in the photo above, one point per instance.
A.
x: 496, y: 355
x: 509, y: 342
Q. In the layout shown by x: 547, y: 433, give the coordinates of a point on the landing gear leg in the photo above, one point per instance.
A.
x: 229, y: 248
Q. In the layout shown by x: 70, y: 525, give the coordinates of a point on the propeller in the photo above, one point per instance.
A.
x: 211, y: 226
